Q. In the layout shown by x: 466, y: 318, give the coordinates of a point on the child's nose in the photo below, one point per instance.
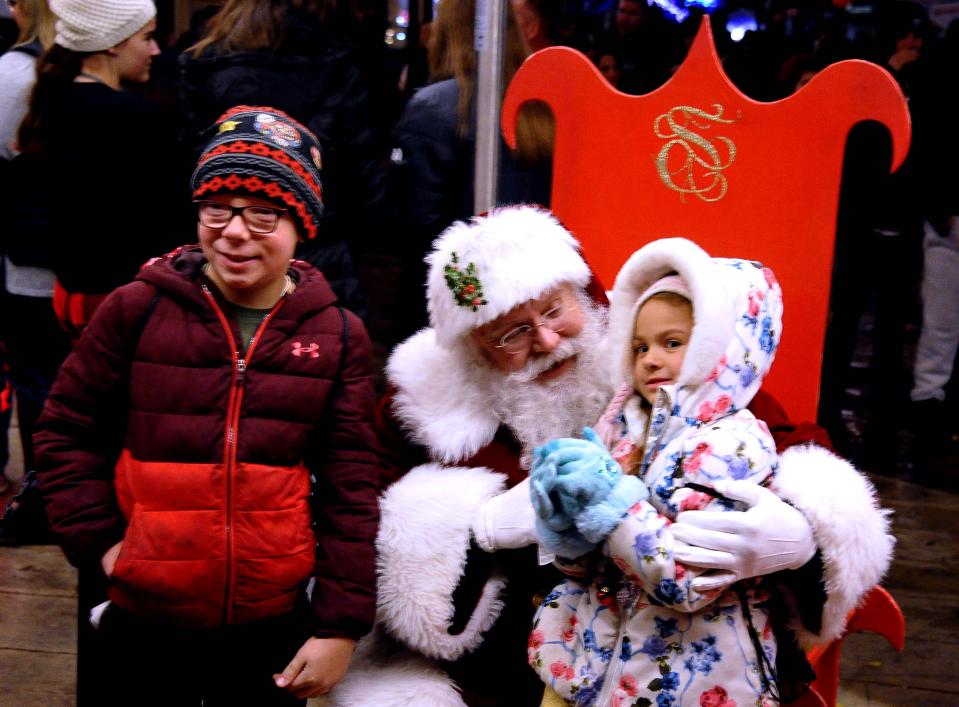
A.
x: 235, y: 228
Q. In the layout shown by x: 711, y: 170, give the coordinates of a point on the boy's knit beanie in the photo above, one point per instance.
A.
x: 88, y: 26
x: 261, y: 151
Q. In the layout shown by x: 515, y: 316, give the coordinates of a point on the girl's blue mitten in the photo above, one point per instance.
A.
x: 568, y: 544
x: 599, y: 520
x: 555, y: 523
x: 585, y: 471
x: 549, y: 507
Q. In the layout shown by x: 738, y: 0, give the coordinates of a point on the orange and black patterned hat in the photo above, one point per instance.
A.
x: 261, y: 151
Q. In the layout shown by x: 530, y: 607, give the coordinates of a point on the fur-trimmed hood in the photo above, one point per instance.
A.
x: 737, y: 312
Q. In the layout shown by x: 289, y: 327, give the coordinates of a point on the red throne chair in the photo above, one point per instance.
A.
x: 697, y: 158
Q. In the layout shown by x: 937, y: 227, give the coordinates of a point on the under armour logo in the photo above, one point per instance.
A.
x: 313, y: 350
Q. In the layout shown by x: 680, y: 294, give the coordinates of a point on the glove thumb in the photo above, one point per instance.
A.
x: 542, y: 503
x: 710, y: 581
x: 589, y: 434
x: 742, y: 490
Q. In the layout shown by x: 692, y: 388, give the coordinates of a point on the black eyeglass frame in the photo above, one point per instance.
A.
x: 241, y: 210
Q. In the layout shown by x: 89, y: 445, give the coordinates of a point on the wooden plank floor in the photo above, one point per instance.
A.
x: 38, y: 624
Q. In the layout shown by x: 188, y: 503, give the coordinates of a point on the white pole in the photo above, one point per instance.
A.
x: 490, y: 32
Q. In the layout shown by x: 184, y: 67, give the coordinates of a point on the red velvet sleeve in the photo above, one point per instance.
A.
x: 765, y: 407
x: 398, y: 455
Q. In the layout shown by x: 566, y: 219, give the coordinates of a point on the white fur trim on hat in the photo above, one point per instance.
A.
x: 509, y: 257
x: 86, y: 26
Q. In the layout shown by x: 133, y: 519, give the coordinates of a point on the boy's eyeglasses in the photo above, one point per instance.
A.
x: 520, y: 338
x: 261, y: 220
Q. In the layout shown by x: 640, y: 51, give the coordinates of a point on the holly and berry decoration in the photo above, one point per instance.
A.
x: 466, y: 288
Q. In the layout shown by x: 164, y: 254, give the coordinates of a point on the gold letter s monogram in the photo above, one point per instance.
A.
x: 700, y: 169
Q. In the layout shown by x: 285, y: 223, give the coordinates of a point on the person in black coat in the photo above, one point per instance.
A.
x: 259, y: 52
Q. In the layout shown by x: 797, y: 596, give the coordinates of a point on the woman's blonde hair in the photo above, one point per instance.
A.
x: 38, y: 23
x: 452, y: 56
x: 254, y: 25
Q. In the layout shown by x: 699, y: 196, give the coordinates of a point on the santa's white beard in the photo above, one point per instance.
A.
x: 538, y: 411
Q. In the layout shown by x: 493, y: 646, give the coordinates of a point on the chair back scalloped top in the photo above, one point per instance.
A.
x: 697, y: 158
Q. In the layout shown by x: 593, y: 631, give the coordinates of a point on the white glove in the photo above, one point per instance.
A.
x: 506, y: 521
x: 771, y: 535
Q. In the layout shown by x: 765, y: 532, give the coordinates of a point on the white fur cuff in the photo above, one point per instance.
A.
x: 851, y: 530
x: 396, y: 680
x: 425, y: 520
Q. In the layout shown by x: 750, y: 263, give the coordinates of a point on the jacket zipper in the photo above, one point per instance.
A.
x: 232, y: 423
x: 663, y: 405
x: 626, y: 598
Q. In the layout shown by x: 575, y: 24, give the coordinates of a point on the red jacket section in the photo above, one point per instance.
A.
x: 163, y: 432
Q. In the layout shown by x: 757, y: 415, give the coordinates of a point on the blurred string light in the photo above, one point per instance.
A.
x: 398, y: 32
x: 679, y: 9
x: 739, y: 22
x: 676, y: 10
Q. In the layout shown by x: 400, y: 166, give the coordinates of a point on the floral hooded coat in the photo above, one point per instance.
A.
x: 631, y: 630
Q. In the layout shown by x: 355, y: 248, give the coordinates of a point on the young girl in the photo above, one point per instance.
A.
x: 692, y: 338
x: 208, y: 446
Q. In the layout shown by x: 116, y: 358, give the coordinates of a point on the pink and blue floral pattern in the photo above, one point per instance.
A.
x: 638, y: 633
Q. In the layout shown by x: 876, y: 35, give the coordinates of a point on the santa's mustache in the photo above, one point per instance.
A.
x: 567, y: 348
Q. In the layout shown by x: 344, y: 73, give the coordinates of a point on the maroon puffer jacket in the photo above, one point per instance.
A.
x: 156, y: 432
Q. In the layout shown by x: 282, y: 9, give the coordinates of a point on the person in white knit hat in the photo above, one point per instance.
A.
x: 512, y: 359
x: 96, y: 190
x: 81, y: 124
x: 118, y: 34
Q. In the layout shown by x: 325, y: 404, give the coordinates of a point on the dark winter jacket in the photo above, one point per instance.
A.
x: 162, y: 432
x: 315, y: 80
x: 99, y: 199
x: 431, y: 184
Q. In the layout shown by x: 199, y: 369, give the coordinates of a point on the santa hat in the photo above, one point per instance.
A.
x: 485, y: 267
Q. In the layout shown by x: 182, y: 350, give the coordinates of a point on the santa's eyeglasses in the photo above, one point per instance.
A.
x: 557, y: 317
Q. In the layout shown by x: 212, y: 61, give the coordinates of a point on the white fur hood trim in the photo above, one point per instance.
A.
x: 714, y: 305
x: 424, y: 535
x: 436, y: 403
x: 850, y: 529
